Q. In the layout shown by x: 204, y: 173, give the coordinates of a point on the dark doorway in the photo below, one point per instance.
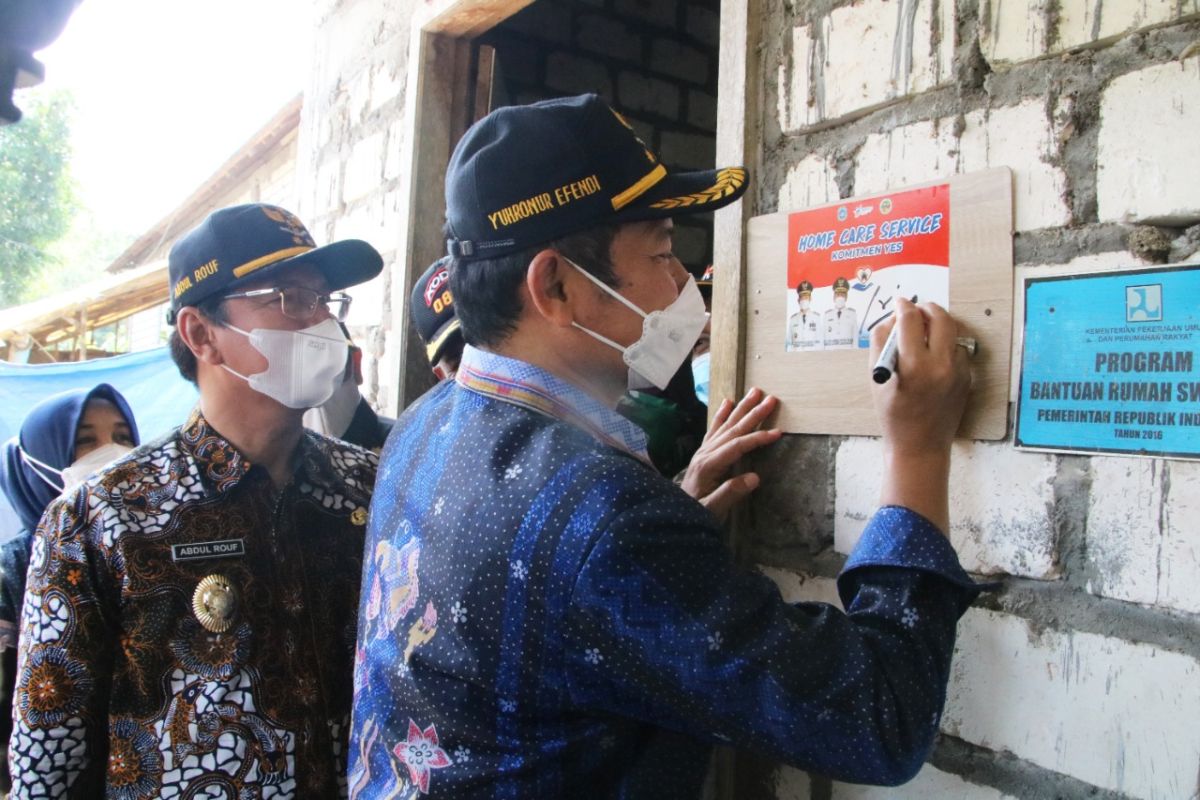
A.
x: 655, y: 61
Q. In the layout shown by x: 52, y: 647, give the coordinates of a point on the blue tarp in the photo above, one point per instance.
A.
x: 157, y: 393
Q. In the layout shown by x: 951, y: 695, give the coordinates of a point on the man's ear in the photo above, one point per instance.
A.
x: 196, y: 331
x: 553, y: 292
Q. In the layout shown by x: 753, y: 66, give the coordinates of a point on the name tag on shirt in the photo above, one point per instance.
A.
x: 197, y: 550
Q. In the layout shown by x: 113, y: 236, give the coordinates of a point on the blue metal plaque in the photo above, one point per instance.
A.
x: 1111, y: 363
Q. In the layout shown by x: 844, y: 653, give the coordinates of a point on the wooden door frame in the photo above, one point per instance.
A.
x: 739, y: 141
x: 437, y: 111
x: 438, y: 72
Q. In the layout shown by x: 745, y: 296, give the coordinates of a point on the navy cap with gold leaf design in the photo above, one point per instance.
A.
x: 238, y: 244
x: 526, y: 175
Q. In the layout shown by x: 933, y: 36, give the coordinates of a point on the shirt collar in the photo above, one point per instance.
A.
x: 520, y: 383
x: 223, y: 465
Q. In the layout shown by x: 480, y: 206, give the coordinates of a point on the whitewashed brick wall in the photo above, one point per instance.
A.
x: 1179, y: 561
x: 1077, y: 679
x: 880, y: 50
x: 1124, y: 536
x: 795, y: 100
x: 1001, y: 505
x: 1021, y: 137
x: 810, y: 182
x: 930, y: 783
x: 1147, y: 160
x: 865, y: 55
x: 1114, y: 714
x: 1020, y: 31
x: 363, y: 171
x: 1142, y: 531
x: 791, y: 784
x: 348, y: 169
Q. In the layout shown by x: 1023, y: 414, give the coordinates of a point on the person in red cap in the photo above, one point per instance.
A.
x: 189, y: 615
x: 543, y: 614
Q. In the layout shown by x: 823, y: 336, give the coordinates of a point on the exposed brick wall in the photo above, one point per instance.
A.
x: 1002, y: 517
x: 1073, y: 680
x: 348, y: 162
x: 655, y: 61
x: 1100, y: 708
x: 1153, y: 108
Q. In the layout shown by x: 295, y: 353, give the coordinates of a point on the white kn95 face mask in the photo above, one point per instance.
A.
x: 80, y: 469
x: 667, y: 335
x: 304, y: 367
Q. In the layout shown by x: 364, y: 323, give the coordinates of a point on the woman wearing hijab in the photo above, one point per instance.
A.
x: 62, y: 441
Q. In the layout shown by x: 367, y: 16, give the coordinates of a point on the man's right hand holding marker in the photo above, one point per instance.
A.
x: 920, y: 407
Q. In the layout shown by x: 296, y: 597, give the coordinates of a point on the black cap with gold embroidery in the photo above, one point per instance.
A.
x: 242, y: 243
x: 525, y: 175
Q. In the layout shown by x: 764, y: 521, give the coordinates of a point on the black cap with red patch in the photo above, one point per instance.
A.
x: 432, y: 308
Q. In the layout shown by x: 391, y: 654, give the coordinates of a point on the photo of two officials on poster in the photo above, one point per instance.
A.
x: 848, y: 262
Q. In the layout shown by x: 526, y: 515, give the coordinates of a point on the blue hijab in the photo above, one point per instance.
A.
x: 48, y: 434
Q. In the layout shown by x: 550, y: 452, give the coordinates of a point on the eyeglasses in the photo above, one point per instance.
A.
x: 300, y: 303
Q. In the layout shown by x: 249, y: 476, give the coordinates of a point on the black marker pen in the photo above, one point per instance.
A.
x: 886, y: 364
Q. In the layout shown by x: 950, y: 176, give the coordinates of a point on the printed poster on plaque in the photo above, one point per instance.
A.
x: 847, y: 263
x: 820, y: 279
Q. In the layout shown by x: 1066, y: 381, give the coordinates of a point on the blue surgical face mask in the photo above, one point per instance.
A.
x: 700, y: 372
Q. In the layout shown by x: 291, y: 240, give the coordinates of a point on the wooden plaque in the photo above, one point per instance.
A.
x: 828, y: 391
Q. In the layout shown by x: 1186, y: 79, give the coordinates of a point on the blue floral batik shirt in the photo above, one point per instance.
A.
x: 542, y: 614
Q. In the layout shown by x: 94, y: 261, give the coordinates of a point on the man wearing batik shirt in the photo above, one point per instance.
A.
x: 188, y: 626
x: 543, y: 615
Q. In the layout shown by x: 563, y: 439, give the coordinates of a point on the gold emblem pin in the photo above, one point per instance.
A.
x: 359, y: 516
x: 214, y: 603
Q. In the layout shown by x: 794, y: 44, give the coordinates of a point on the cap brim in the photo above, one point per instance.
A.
x: 433, y: 350
x: 683, y: 193
x: 342, y: 264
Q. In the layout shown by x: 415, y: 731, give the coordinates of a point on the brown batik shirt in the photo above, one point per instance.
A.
x: 133, y: 684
